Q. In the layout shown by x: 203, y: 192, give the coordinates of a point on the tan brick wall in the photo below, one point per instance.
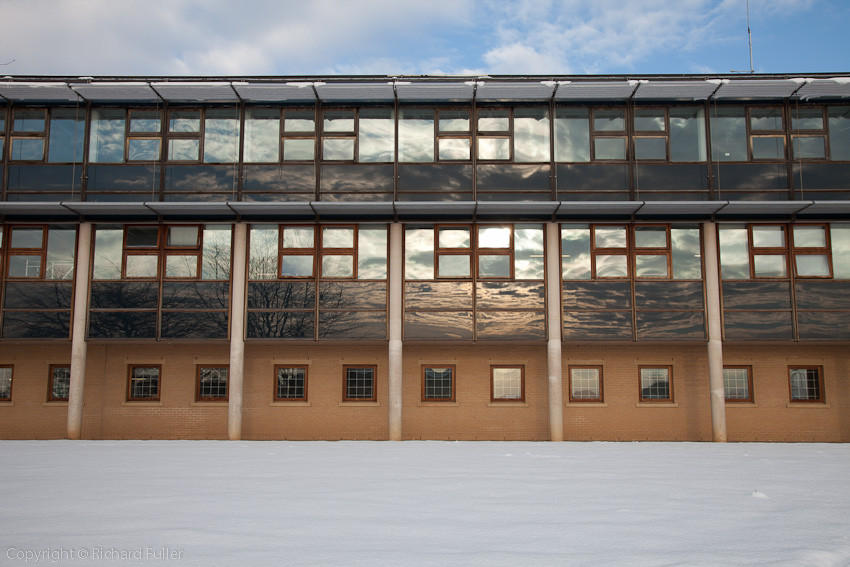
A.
x: 107, y: 414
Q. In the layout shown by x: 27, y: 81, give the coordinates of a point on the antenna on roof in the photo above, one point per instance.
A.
x: 750, y: 38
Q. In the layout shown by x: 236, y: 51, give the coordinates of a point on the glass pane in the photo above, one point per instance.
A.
x: 531, y: 135
x: 182, y: 236
x: 215, y: 254
x: 453, y: 237
x: 609, y: 148
x: 221, y: 136
x: 181, y: 266
x: 809, y: 147
x: 108, y: 244
x: 184, y: 121
x: 511, y: 325
x: 650, y: 148
x: 584, y: 383
x: 575, y: 252
x: 282, y: 295
x: 728, y: 134
x: 299, y: 121
x: 416, y: 135
x: 337, y: 266
x: 27, y: 237
x: 439, y: 325
x: 805, y: 384
x: 438, y: 295
x: 494, y: 237
x: 507, y: 383
x: 528, y: 252
x: 654, y: 383
x: 194, y: 325
x: 509, y: 295
x: 758, y: 325
x: 687, y: 134
x: 840, y: 240
x: 67, y: 135
x: 768, y: 147
x: 24, y: 266
x: 36, y: 325
x: 650, y: 237
x: 338, y: 121
x: 353, y: 325
x: 651, y: 265
x: 768, y: 237
x: 301, y: 149
x: 770, y: 266
x: 812, y: 265
x: 296, y: 266
x: 262, y: 132
x: 60, y: 382
x: 139, y: 266
x: 195, y: 295
x: 454, y: 120
x: 611, y: 266
x: 454, y: 266
x: 494, y: 120
x: 298, y: 237
x: 572, y: 135
x: 372, y: 253
x: 60, y: 254
x: 839, y: 132
x: 766, y: 119
x: 38, y: 295
x: 686, y: 253
x: 337, y: 237
x: 262, y: 264
x: 352, y: 296
x: 598, y: 325
x: 609, y: 237
x: 736, y: 383
x: 376, y: 135
x: 419, y: 254
x: 438, y: 383
x: 128, y: 324
x: 281, y: 325
x: 145, y: 121
x: 609, y: 120
x: 669, y: 295
x: 650, y: 120
x: 27, y: 149
x: 184, y: 150
x: 806, y: 119
x: 337, y: 149
x: 494, y: 148
x: 809, y: 236
x: 494, y: 266
x: 28, y: 120
x: 455, y: 148
x: 142, y: 236
x: 143, y: 149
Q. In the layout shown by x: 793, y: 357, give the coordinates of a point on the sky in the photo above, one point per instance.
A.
x: 415, y: 37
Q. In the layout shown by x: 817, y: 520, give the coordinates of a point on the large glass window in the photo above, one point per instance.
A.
x: 747, y: 133
x: 364, y: 135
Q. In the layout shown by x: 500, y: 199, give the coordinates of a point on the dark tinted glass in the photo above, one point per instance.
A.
x: 822, y: 175
x: 281, y: 325
x: 123, y: 178
x: 353, y: 295
x: 431, y: 326
x: 279, y: 178
x: 753, y: 176
x: 124, y: 295
x: 357, y: 179
x: 593, y: 177
x: 195, y: 295
x: 451, y: 178
x: 824, y: 326
x: 670, y: 325
x: 597, y: 295
x: 194, y: 325
x: 200, y: 178
x: 353, y: 325
x: 611, y: 325
x: 823, y: 295
x: 668, y: 295
x: 511, y: 325
x: 756, y: 295
x: 511, y: 177
x: 276, y: 295
x: 510, y: 295
x: 757, y: 325
x: 38, y: 295
x: 669, y: 177
x: 45, y: 178
x: 122, y: 325
x: 36, y: 325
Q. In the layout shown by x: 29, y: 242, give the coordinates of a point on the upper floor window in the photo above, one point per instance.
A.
x: 118, y: 135
x: 2, y: 134
x: 602, y: 251
x: 41, y: 252
x: 513, y: 134
x: 747, y: 133
x: 273, y: 135
x: 208, y: 135
x: 364, y: 135
x: 820, y: 133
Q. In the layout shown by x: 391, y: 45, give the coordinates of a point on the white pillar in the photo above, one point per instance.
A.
x: 396, y: 264
x: 553, y: 347
x: 78, y: 332
x: 237, y: 333
x: 715, y: 345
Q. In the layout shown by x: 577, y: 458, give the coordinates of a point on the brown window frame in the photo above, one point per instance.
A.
x: 346, y: 368
x: 825, y: 250
x: 11, y: 368
x: 768, y: 250
x: 51, y: 378
x: 820, y: 384
x: 624, y: 251
x: 822, y: 133
x: 598, y: 399
x: 618, y: 134
x: 504, y: 251
x: 669, y: 399
x: 749, y: 398
x: 521, y: 368
x: 138, y: 135
x: 276, y: 382
x: 206, y: 399
x: 130, y: 368
x: 426, y: 367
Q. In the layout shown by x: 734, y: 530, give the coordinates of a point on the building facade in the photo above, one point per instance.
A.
x: 520, y: 258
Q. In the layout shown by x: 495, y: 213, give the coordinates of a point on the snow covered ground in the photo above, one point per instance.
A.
x: 423, y: 503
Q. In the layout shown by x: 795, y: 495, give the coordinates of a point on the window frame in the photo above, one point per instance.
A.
x: 493, y: 368
x: 749, y: 398
x: 345, y: 378
x: 276, y: 382
x: 644, y: 400
x: 11, y: 368
x: 825, y: 250
x: 598, y: 399
x: 199, y: 368
x: 821, y: 399
x: 130, y: 378
x: 51, y: 382
x: 425, y: 368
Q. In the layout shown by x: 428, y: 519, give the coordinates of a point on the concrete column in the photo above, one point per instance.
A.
x: 553, y: 347
x: 395, y: 265
x: 78, y: 332
x: 237, y: 332
x: 715, y: 345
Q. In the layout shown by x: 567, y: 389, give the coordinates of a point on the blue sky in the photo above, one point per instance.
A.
x: 390, y: 37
